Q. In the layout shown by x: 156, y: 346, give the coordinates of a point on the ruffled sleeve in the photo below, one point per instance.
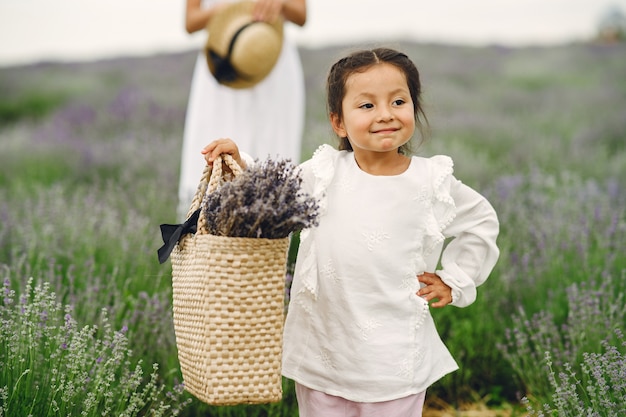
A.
x: 317, y: 173
x: 247, y: 159
x: 442, y: 209
x: 466, y: 216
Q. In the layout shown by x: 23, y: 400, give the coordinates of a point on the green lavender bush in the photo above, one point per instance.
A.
x: 593, y: 387
x: 53, y: 367
x: 577, y: 366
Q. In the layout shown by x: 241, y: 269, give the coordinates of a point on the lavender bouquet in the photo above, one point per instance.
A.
x: 265, y: 201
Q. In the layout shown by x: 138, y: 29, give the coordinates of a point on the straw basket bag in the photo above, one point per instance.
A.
x: 228, y: 303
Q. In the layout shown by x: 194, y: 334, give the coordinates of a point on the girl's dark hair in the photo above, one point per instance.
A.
x: 360, y: 61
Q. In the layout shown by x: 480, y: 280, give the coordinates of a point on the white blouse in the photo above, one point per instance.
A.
x: 355, y: 327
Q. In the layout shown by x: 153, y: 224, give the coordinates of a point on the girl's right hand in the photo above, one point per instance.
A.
x: 221, y: 146
x: 435, y: 289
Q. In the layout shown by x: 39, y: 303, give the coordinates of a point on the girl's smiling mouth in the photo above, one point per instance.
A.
x: 385, y: 131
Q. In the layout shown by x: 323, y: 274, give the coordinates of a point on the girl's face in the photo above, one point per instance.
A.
x: 377, y: 110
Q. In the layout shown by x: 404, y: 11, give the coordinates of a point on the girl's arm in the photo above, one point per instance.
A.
x: 469, y: 258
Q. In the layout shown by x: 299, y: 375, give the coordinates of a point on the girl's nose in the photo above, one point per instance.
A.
x: 385, y: 113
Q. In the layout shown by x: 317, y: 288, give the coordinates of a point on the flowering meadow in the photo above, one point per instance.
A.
x: 89, y: 162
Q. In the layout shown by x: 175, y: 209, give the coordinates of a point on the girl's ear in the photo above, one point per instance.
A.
x: 337, y: 124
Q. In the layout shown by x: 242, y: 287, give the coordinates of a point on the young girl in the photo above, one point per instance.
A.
x: 359, y: 338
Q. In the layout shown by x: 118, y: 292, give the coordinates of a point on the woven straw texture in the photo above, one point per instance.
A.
x: 228, y: 304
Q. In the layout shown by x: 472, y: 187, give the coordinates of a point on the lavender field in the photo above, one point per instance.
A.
x: 89, y: 160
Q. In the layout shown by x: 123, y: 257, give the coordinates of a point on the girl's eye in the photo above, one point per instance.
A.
x: 399, y: 102
x: 366, y: 106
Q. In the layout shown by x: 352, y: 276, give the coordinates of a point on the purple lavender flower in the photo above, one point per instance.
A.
x: 265, y: 201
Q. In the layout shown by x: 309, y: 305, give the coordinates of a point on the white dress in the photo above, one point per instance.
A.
x: 355, y: 327
x: 265, y: 120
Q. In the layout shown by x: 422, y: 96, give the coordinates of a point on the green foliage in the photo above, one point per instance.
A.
x: 539, y: 131
x: 540, y: 347
x: 37, y: 168
x: 53, y: 367
x: 596, y: 389
x: 28, y: 106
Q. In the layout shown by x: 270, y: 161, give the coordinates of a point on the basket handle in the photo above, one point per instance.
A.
x: 210, y: 181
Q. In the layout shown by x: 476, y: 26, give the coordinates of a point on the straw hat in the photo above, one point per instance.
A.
x: 240, y: 51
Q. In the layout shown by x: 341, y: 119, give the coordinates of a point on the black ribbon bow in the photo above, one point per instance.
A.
x: 172, y: 233
x: 224, y: 70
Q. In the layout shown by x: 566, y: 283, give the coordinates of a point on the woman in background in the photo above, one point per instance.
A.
x: 267, y: 119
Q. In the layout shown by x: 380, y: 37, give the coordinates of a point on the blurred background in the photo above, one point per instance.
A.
x: 34, y: 30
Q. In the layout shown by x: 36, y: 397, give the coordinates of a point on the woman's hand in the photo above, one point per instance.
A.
x: 270, y: 10
x: 267, y: 10
x: 435, y: 289
x: 221, y: 146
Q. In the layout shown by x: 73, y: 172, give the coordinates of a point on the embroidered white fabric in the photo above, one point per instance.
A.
x: 355, y: 327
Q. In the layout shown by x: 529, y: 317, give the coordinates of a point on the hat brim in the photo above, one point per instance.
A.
x: 252, y: 55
